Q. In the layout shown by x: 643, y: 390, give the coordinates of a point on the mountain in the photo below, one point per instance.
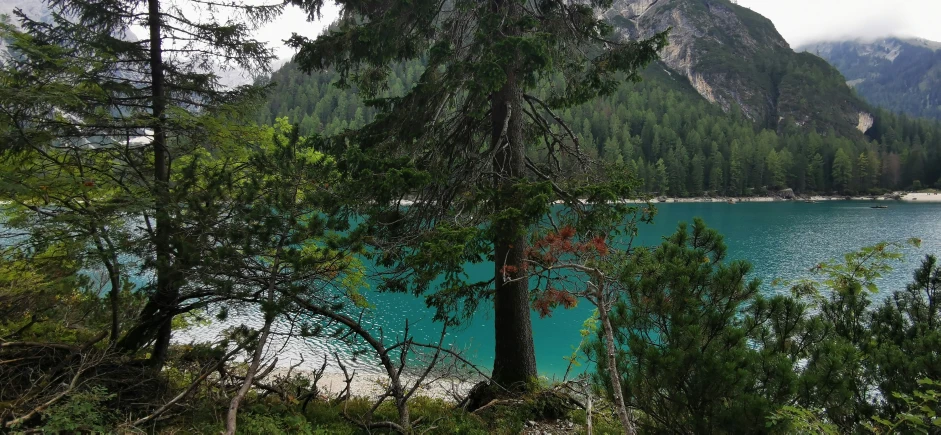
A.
x: 901, y: 75
x: 730, y: 109
x: 735, y: 57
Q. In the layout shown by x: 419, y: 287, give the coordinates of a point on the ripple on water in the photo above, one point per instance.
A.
x: 781, y: 239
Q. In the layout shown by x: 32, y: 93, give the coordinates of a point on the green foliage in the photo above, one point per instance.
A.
x: 644, y: 122
x: 685, y: 360
x: 921, y: 415
x: 261, y: 421
x: 264, y: 416
x: 44, y: 297
x: 801, y: 420
x: 700, y: 349
x: 84, y: 411
x: 905, y: 329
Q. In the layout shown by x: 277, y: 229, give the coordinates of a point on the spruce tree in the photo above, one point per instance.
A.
x: 133, y: 93
x: 455, y: 142
x: 842, y: 171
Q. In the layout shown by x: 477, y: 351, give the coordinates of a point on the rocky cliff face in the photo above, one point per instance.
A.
x: 734, y: 57
x: 865, y: 122
x: 902, y: 75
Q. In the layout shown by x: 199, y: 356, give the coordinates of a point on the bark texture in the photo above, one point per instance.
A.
x: 620, y: 406
x: 155, y: 319
x: 514, y: 364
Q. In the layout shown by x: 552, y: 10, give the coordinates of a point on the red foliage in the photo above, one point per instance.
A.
x: 552, y: 298
x: 548, y: 249
x: 600, y: 246
x: 508, y: 270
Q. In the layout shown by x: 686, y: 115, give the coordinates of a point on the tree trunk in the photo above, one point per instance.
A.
x: 231, y: 418
x: 514, y: 364
x: 114, y: 278
x: 166, y: 293
x: 588, y: 410
x: 230, y: 421
x: 114, y: 296
x: 613, y: 370
x: 155, y: 319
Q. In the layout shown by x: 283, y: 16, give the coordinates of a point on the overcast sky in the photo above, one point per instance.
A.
x: 294, y: 20
x: 804, y: 21
x: 799, y: 21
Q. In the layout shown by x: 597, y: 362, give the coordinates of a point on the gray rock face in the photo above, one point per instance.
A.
x: 696, y: 24
x: 734, y: 57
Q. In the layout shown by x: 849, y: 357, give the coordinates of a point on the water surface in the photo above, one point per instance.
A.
x: 781, y: 240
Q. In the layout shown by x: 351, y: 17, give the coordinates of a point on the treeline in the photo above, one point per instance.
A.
x: 677, y: 143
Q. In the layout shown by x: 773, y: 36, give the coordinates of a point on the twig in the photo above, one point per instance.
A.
x: 50, y: 402
x: 189, y: 390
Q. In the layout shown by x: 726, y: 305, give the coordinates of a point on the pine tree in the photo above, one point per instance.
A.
x: 697, y: 174
x: 736, y: 170
x: 776, y: 170
x: 457, y: 140
x: 814, y: 179
x: 716, y: 178
x: 687, y: 362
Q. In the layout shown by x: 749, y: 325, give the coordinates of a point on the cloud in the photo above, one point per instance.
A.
x: 805, y: 21
x: 294, y: 20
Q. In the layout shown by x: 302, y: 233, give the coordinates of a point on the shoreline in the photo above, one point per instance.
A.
x: 917, y: 197
x: 449, y: 389
x: 930, y: 198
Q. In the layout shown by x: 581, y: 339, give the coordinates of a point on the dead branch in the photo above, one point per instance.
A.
x: 347, y: 378
x: 189, y: 390
x: 50, y: 402
x: 496, y: 402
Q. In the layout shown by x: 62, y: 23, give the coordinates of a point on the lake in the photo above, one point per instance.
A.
x: 781, y: 240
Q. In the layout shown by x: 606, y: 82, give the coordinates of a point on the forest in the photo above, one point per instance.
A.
x: 142, y: 199
x: 674, y: 141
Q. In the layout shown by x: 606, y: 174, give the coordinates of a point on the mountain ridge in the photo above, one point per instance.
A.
x: 902, y: 75
x: 735, y: 57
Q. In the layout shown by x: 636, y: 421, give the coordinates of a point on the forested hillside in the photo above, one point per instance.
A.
x: 900, y: 75
x: 730, y: 109
x: 735, y: 57
x: 675, y: 140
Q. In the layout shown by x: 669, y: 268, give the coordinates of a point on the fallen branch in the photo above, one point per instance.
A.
x: 496, y: 402
x: 48, y: 403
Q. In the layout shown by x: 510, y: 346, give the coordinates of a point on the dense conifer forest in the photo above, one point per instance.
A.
x: 676, y: 142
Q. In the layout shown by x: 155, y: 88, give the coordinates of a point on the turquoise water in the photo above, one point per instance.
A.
x: 781, y: 239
